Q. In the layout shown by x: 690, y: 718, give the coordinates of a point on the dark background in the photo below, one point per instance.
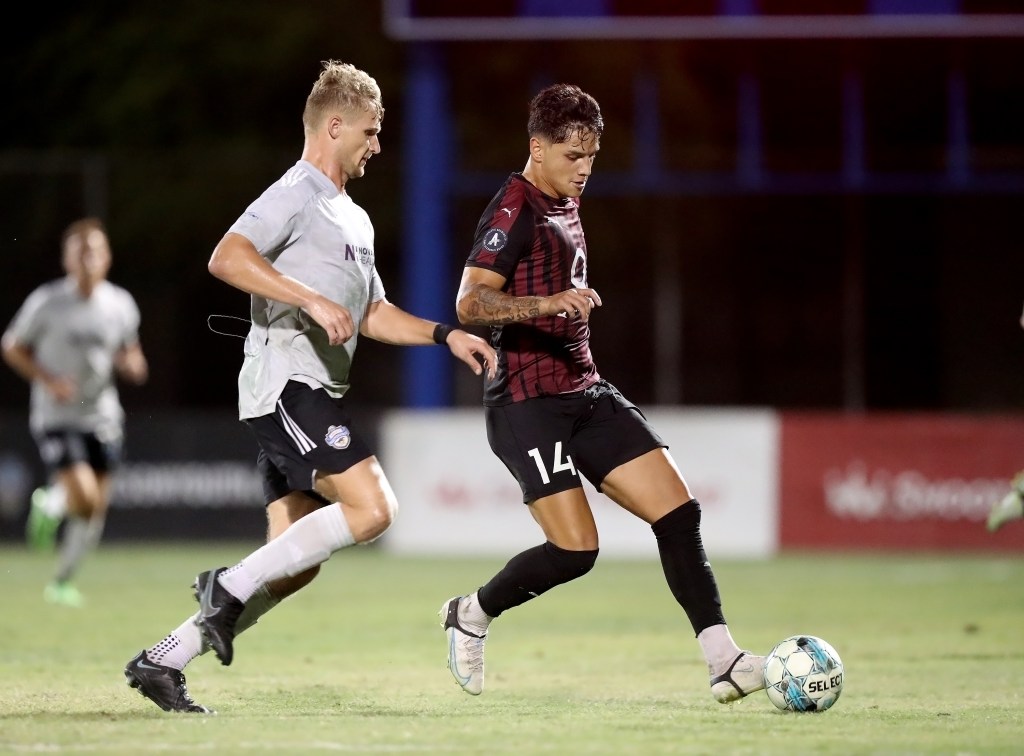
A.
x: 808, y: 286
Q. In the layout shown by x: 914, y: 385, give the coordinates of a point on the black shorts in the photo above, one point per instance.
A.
x: 309, y: 432
x: 61, y: 448
x: 548, y: 442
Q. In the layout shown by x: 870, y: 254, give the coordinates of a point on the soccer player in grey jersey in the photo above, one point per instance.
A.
x: 71, y: 339
x: 305, y: 252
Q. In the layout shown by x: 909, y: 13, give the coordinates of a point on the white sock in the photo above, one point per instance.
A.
x: 180, y: 647
x: 80, y: 538
x: 306, y: 543
x: 186, y: 642
x: 472, y: 617
x: 55, y: 503
x: 719, y: 648
x: 258, y: 604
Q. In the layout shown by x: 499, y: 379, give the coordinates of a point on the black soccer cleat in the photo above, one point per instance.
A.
x: 162, y: 685
x: 218, y: 614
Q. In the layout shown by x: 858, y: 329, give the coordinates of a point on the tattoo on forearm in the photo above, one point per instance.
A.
x: 486, y: 306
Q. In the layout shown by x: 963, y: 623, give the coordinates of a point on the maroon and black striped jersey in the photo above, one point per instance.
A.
x: 535, y: 242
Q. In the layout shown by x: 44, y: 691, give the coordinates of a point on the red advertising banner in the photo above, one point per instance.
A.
x: 897, y: 481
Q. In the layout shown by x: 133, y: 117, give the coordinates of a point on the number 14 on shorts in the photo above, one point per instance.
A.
x: 559, y: 463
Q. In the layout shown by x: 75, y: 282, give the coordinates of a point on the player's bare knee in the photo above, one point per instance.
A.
x: 86, y: 504
x: 370, y: 522
x: 383, y: 516
x: 570, y: 564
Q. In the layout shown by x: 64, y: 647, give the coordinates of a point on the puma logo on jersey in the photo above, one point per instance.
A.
x: 508, y: 210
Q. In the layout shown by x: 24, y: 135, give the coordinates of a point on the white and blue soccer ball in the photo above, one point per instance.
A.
x: 803, y: 673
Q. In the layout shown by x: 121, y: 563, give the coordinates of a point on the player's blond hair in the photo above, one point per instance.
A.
x: 341, y: 87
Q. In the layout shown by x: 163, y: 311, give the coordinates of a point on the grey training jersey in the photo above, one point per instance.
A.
x: 77, y: 338
x: 309, y: 231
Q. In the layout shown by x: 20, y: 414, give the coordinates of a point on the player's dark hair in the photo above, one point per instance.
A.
x: 560, y: 110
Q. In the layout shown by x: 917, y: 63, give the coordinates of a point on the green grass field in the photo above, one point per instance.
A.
x: 932, y: 647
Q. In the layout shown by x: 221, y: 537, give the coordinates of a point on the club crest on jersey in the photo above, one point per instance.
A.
x: 338, y: 437
x: 495, y: 240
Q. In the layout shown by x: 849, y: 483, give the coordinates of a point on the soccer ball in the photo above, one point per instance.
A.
x: 803, y: 673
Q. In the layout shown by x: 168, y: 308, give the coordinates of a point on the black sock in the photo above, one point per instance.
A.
x: 531, y: 573
x: 686, y: 566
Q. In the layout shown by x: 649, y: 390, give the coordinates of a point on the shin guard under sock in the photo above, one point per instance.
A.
x: 686, y: 566
x: 531, y: 573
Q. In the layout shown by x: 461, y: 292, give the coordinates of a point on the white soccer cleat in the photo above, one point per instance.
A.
x: 744, y: 676
x: 465, y: 649
x: 1010, y: 507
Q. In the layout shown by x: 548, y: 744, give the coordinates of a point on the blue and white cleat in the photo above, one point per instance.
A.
x: 465, y: 649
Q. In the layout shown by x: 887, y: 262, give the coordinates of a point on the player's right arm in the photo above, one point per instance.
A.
x: 21, y: 359
x: 481, y: 301
x: 237, y: 262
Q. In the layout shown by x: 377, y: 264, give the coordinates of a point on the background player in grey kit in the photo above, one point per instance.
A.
x: 71, y: 339
x: 305, y: 252
x: 551, y: 417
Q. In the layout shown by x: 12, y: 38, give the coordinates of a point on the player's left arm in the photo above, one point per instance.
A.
x: 390, y: 324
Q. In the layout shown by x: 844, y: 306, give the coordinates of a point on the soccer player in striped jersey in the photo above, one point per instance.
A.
x: 552, y: 418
